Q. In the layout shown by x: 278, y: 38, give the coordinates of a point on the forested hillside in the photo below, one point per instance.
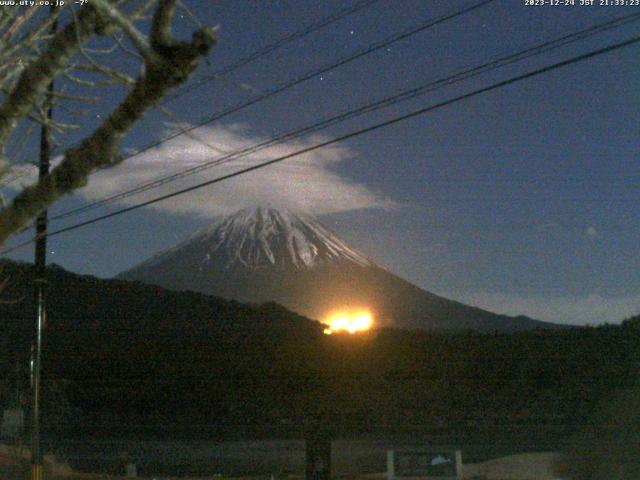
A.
x: 123, y: 358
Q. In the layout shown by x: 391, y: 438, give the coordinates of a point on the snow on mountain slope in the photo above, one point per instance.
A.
x: 265, y: 237
x: 266, y: 254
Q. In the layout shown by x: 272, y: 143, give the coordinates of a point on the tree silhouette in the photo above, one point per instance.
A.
x: 32, y: 56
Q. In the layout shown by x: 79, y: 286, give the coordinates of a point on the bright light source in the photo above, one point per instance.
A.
x: 352, y: 322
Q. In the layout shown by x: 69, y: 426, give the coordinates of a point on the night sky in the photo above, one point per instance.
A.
x: 523, y: 200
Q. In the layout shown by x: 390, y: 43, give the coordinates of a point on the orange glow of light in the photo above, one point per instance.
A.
x: 352, y: 322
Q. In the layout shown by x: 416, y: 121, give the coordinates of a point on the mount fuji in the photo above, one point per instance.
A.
x: 265, y: 254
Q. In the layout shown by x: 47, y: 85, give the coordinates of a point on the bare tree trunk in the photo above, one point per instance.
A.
x: 167, y: 64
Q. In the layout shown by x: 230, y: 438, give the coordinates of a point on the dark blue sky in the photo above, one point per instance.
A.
x: 521, y: 200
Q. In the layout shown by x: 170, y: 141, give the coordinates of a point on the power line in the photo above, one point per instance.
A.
x: 267, y: 49
x: 290, y: 84
x: 315, y: 73
x: 377, y: 126
x: 262, y: 52
x: 405, y: 95
x: 269, y: 93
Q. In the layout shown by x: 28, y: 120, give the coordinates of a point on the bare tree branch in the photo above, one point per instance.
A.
x: 169, y: 66
x: 16, y: 24
x: 29, y: 39
x: 87, y: 83
x: 36, y: 77
x: 161, y: 24
x: 125, y: 49
x: 112, y: 73
x: 77, y: 98
x: 137, y: 38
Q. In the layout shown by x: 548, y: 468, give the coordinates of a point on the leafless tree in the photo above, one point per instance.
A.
x: 32, y: 55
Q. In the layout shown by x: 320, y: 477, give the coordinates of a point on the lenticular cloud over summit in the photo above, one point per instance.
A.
x: 307, y: 182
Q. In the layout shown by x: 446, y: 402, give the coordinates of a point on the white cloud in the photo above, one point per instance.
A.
x: 590, y: 309
x: 19, y: 176
x: 592, y: 232
x: 307, y: 182
x: 22, y: 175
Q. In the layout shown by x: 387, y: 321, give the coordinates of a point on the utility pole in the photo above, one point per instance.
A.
x: 40, y: 281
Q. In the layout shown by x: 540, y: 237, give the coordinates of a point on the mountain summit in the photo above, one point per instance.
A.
x: 268, y: 238
x: 267, y: 254
x: 256, y: 241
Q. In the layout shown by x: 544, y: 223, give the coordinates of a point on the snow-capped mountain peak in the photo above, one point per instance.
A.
x: 266, y: 237
x: 270, y: 255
